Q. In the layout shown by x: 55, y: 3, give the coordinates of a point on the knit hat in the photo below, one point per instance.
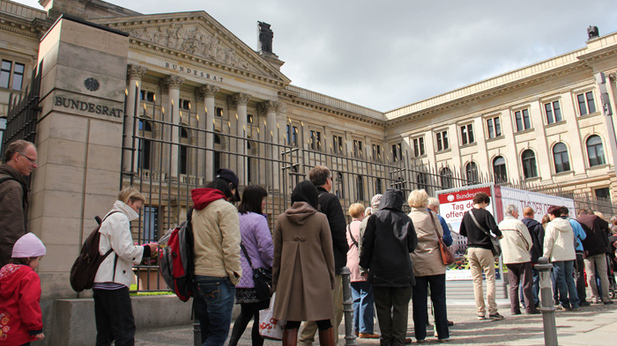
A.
x: 28, y: 245
x: 376, y: 201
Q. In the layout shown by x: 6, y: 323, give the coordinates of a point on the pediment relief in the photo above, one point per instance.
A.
x: 198, y: 35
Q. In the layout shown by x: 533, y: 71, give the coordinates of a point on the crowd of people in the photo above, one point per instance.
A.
x: 395, y: 259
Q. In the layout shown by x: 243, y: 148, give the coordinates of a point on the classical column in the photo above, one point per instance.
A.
x: 172, y: 132
x: 240, y: 101
x: 134, y: 74
x: 270, y: 167
x: 207, y: 92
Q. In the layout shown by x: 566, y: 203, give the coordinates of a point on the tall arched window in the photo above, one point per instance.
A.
x: 529, y: 164
x: 378, y: 186
x: 471, y: 171
x: 217, y: 152
x: 340, y: 187
x: 560, y: 156
x: 184, y: 151
x: 422, y: 181
x: 446, y: 178
x: 499, y: 170
x: 595, y: 151
x: 144, y: 151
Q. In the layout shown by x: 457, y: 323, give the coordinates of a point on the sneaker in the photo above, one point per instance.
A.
x: 564, y: 308
x: 516, y: 312
x: 368, y: 336
x: 585, y: 303
x: 533, y: 312
x: 482, y: 318
x: 445, y: 339
x: 495, y: 317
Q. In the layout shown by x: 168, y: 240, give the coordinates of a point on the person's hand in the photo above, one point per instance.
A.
x: 154, y: 247
x: 39, y: 336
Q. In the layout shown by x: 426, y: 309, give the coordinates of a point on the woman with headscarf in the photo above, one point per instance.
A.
x: 303, y: 267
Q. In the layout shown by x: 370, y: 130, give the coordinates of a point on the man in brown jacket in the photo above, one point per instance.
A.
x: 19, y: 161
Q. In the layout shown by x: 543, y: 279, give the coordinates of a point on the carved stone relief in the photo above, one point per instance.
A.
x: 193, y: 40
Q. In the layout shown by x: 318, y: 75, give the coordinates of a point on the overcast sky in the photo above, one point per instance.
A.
x: 387, y: 54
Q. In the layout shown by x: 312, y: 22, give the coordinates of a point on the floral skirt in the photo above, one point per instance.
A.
x: 246, y: 295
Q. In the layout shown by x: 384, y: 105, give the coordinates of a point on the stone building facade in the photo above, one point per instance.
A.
x: 161, y: 101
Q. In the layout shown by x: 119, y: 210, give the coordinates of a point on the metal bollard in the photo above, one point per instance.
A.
x: 546, y: 298
x: 350, y: 336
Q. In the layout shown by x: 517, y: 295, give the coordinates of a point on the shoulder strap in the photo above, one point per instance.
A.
x: 355, y: 242
x: 476, y: 222
x: 434, y: 223
x: 2, y: 180
x: 246, y: 255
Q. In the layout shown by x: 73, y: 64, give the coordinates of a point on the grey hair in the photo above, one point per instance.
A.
x: 511, y: 208
x: 433, y: 202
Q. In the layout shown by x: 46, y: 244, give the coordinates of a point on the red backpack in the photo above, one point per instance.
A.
x: 176, y: 260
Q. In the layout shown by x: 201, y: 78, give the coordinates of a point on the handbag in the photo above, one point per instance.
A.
x: 496, y: 247
x: 269, y: 327
x: 262, y: 278
x: 447, y: 256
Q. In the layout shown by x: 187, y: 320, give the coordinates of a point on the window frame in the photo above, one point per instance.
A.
x: 419, y: 149
x: 501, y: 176
x: 493, y: 127
x: 525, y: 160
x: 467, y: 137
x: 442, y: 140
x: 589, y: 102
x: 553, y: 114
x: 522, y: 119
x: 595, y: 147
x: 564, y: 165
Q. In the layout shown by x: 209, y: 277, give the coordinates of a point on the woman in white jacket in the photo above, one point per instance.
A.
x: 559, y: 249
x: 112, y: 303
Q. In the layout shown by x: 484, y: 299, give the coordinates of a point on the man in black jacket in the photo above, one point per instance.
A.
x: 537, y: 236
x: 330, y: 205
x: 388, y: 240
x: 596, y: 245
x: 476, y: 228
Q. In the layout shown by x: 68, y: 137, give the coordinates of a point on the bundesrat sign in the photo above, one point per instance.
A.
x: 454, y: 203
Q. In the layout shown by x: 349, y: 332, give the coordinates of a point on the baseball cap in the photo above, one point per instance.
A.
x: 230, y: 176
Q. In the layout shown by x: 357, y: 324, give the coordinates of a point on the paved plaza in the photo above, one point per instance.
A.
x: 592, y: 325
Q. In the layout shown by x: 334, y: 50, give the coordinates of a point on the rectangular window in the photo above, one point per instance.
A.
x: 219, y: 112
x: 249, y: 118
x: 376, y: 152
x: 185, y: 104
x: 553, y: 112
x: 315, y: 140
x: 396, y: 152
x: 150, y: 223
x: 522, y: 120
x: 603, y: 193
x: 337, y: 144
x: 586, y: 104
x: 358, y: 148
x: 16, y: 71
x: 147, y: 96
x: 442, y: 141
x: 292, y: 135
x: 467, y: 134
x: 418, y: 147
x: 494, y: 127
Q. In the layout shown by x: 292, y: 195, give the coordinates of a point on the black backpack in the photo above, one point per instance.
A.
x: 87, y: 263
x: 177, y: 265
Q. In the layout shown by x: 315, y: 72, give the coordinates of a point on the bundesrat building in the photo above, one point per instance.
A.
x: 113, y: 97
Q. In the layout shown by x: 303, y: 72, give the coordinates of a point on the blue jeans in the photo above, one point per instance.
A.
x: 213, y: 302
x: 363, y: 310
x: 564, y: 281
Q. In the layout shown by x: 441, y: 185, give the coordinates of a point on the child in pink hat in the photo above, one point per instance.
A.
x: 21, y: 320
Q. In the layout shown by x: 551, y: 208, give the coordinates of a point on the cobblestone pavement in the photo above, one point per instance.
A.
x: 592, y: 325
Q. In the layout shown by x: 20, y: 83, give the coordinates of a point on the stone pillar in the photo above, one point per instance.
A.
x: 134, y: 73
x: 240, y: 101
x: 271, y: 152
x: 172, y: 132
x: 79, y: 139
x: 208, y: 93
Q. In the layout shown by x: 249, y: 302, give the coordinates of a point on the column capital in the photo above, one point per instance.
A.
x: 134, y: 71
x: 172, y: 82
x: 268, y: 106
x: 239, y: 99
x: 207, y: 90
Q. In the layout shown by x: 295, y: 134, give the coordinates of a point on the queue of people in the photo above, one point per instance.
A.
x: 395, y: 259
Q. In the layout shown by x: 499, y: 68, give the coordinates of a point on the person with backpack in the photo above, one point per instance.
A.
x: 112, y: 303
x: 257, y: 245
x: 20, y: 159
x: 216, y: 234
x: 21, y: 320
